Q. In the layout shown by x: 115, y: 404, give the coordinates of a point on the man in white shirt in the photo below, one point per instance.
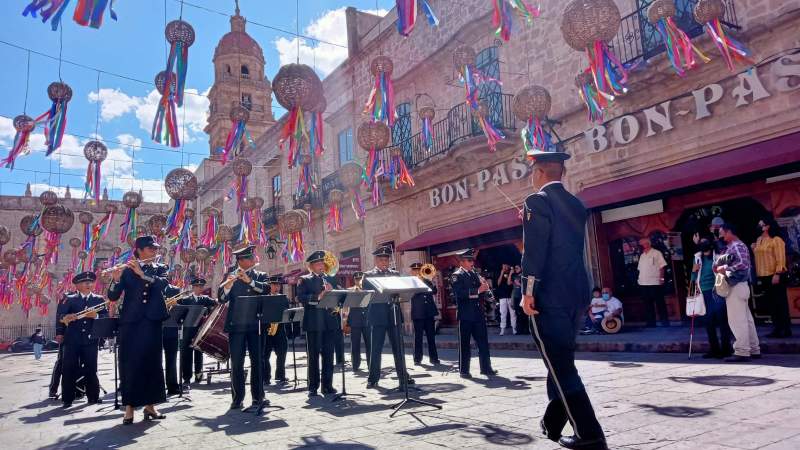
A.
x: 651, y: 282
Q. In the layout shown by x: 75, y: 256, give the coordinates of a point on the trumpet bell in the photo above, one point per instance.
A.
x: 428, y: 271
x: 331, y: 264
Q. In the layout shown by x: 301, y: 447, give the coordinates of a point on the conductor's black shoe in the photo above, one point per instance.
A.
x: 583, y: 444
x: 267, y: 382
x: 53, y: 395
x: 235, y: 405
x: 172, y: 393
x: 435, y: 362
x: 466, y: 375
x: 198, y: 378
x: 282, y: 380
x: 417, y: 362
x: 66, y: 405
x: 95, y: 402
x: 372, y: 385
x: 312, y: 394
x: 489, y: 372
x: 411, y: 381
x: 328, y: 391
x: 552, y: 436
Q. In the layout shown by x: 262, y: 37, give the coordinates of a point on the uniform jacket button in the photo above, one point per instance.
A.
x: 144, y: 301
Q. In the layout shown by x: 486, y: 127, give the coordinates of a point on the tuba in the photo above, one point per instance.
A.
x: 428, y: 272
x: 331, y: 264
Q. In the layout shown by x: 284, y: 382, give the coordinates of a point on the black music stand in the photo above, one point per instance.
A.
x: 295, y: 317
x: 273, y: 309
x: 106, y: 328
x: 397, y: 290
x: 184, y: 316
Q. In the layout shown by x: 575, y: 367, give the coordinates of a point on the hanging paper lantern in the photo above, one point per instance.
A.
x: 242, y: 168
x: 130, y: 200
x: 531, y: 105
x: 464, y: 55
x: 586, y: 26
x: 372, y: 137
x: 24, y: 126
x: 292, y: 224
x: 426, y: 109
x: 225, y: 233
x: 297, y: 88
x: 380, y: 104
x: 95, y: 152
x: 407, y: 15
x: 710, y: 14
x: 74, y: 242
x: 464, y: 60
x: 156, y: 224
x: 202, y: 254
x: 181, y: 186
x: 10, y: 257
x: 30, y: 225
x: 60, y: 94
x: 335, y: 198
x: 239, y: 116
x: 5, y: 236
x: 252, y: 229
x: 57, y: 219
x: 85, y: 217
x: 165, y: 123
x: 180, y: 36
x: 351, y: 175
x: 502, y: 17
x: 680, y: 49
x: 316, y: 134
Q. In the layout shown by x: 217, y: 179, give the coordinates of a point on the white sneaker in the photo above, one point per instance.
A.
x: 502, y: 331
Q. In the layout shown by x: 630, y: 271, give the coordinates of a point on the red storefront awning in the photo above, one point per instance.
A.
x: 462, y: 230
x: 752, y: 158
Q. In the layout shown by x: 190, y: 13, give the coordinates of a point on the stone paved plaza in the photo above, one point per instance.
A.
x: 644, y: 401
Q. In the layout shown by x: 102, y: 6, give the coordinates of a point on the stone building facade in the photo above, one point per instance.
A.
x: 673, y: 153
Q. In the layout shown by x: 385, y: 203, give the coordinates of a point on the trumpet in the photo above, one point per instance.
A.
x: 427, y: 272
x: 235, y: 276
x: 80, y: 315
x: 488, y: 295
x: 125, y: 264
x: 172, y: 301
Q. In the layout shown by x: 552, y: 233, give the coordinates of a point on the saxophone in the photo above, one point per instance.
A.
x: 273, y: 329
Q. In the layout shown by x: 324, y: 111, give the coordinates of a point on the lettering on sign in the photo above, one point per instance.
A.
x: 459, y: 190
x: 748, y: 89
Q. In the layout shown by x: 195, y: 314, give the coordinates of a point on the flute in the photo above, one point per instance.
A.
x: 125, y: 264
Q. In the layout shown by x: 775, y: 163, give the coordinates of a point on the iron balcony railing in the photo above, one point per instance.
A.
x: 313, y: 198
x: 269, y: 216
x: 638, y: 40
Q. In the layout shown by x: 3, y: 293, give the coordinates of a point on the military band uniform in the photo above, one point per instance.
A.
x: 553, y: 272
x: 320, y: 326
x: 359, y: 330
x: 140, y: 337
x: 471, y: 320
x: 279, y: 343
x: 80, y: 346
x: 169, y: 342
x: 189, y: 356
x: 244, y: 338
x: 423, y: 313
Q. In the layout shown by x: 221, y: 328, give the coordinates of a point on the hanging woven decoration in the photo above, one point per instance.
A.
x: 352, y: 176
x: 180, y: 36
x: 130, y: 200
x: 710, y: 14
x: 209, y: 237
x: 297, y: 88
x: 251, y: 231
x: 372, y: 137
x: 181, y: 186
x: 504, y: 10
x: 380, y: 104
x: 316, y: 135
x: 426, y: 109
x: 335, y: 199
x: 5, y: 237
x: 482, y: 115
x: 60, y: 94
x: 156, y: 224
x: 57, y: 219
x: 680, y: 49
x: 292, y: 224
x: 242, y: 168
x: 586, y: 26
x: 398, y: 170
x: 24, y: 126
x: 239, y: 116
x: 48, y: 198
x: 531, y: 105
x: 100, y: 230
x: 95, y: 152
x: 595, y: 102
x: 87, y: 12
x: 407, y: 15
x: 165, y: 123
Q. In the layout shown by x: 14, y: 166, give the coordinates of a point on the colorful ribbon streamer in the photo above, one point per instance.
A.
x: 294, y: 130
x: 90, y: 12
x: 175, y: 220
x: 334, y: 221
x: 680, y: 49
x: 610, y: 75
x: 502, y: 18
x: 380, y: 104
x: 128, y: 226
x: 21, y: 140
x: 48, y: 9
x: 238, y: 190
x: 209, y: 237
x: 407, y: 15
x: 92, y: 186
x: 493, y: 135
x: 316, y: 134
x: 596, y: 102
x: 534, y: 136
x: 56, y: 125
x: 730, y: 48
x: 427, y: 133
x: 398, y: 172
x: 235, y: 136
x: 357, y: 204
x: 165, y: 123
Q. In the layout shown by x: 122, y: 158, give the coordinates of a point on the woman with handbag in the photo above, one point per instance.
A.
x: 716, y: 317
x: 770, y: 259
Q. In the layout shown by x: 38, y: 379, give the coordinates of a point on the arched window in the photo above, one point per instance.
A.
x: 401, y: 133
x: 245, y: 72
x: 490, y: 93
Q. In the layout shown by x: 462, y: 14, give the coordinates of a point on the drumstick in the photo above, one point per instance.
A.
x: 496, y: 186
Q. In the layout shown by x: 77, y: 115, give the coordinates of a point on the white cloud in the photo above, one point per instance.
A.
x: 331, y: 27
x: 113, y: 103
x: 38, y: 188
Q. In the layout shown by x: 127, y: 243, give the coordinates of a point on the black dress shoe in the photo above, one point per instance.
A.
x: 417, y: 363
x: 66, y: 405
x: 53, y: 395
x: 198, y: 377
x: 410, y: 380
x: 328, y: 391
x: 583, y: 444
x: 489, y: 372
x: 552, y: 436
x: 466, y: 375
x: 435, y: 362
x: 267, y: 382
x: 127, y: 420
x: 148, y: 415
x: 236, y: 406
x: 96, y: 401
x: 173, y: 393
x: 372, y: 385
x: 312, y: 394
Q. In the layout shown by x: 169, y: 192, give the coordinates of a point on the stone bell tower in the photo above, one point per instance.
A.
x: 238, y: 79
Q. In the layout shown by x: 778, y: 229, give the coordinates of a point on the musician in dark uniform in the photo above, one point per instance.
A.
x: 277, y: 343
x: 469, y: 289
x: 140, y: 320
x: 243, y: 280
x: 555, y: 288
x: 423, y: 313
x: 75, y: 335
x: 359, y: 330
x: 188, y: 354
x: 381, y: 322
x: 318, y: 323
x: 58, y: 368
x: 169, y: 343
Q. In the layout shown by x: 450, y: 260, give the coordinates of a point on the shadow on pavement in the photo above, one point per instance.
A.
x: 497, y: 435
x: 433, y: 429
x: 725, y: 380
x: 624, y: 365
x: 498, y: 382
x: 238, y: 422
x: 678, y: 411
x: 439, y: 388
x: 114, y: 437
x: 318, y: 442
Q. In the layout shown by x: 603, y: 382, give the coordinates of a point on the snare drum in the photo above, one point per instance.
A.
x: 211, y: 339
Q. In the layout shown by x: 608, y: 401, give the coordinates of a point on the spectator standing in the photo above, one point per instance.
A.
x: 37, y: 339
x: 770, y: 259
x: 503, y: 292
x: 716, y: 317
x: 651, y: 282
x: 735, y: 265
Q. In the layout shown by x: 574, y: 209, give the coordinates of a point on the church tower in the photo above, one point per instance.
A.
x: 238, y: 79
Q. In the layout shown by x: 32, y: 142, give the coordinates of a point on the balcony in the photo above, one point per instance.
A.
x: 314, y: 199
x: 638, y: 40
x: 330, y: 183
x: 269, y: 217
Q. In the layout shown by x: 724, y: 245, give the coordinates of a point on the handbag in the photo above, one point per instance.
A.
x: 696, y: 303
x: 721, y: 285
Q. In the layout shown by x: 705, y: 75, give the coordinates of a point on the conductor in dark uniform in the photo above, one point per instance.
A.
x: 189, y: 356
x: 469, y: 288
x: 359, y: 329
x: 277, y: 343
x: 555, y: 288
x: 75, y: 335
x: 381, y: 322
x: 318, y: 323
x: 242, y: 281
x: 143, y: 284
x: 423, y: 313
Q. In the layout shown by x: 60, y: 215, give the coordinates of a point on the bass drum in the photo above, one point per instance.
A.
x: 211, y: 339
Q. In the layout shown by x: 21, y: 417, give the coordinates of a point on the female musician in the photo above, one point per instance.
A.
x: 140, y: 317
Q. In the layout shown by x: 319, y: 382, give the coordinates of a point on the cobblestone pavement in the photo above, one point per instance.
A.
x: 644, y: 401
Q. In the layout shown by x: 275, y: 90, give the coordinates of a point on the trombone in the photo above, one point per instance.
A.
x: 235, y: 276
x: 125, y: 264
x: 172, y: 301
x: 82, y: 314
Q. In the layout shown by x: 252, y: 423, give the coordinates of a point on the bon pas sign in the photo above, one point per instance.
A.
x: 460, y: 190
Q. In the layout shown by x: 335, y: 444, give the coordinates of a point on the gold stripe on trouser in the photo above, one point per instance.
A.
x: 549, y: 365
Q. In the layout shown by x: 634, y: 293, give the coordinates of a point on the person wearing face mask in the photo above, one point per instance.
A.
x: 613, y: 305
x: 716, y: 318
x: 597, y: 310
x: 770, y: 260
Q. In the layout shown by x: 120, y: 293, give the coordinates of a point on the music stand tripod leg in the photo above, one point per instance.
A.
x: 343, y: 394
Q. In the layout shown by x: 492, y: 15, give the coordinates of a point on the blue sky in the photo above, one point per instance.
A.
x: 134, y: 47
